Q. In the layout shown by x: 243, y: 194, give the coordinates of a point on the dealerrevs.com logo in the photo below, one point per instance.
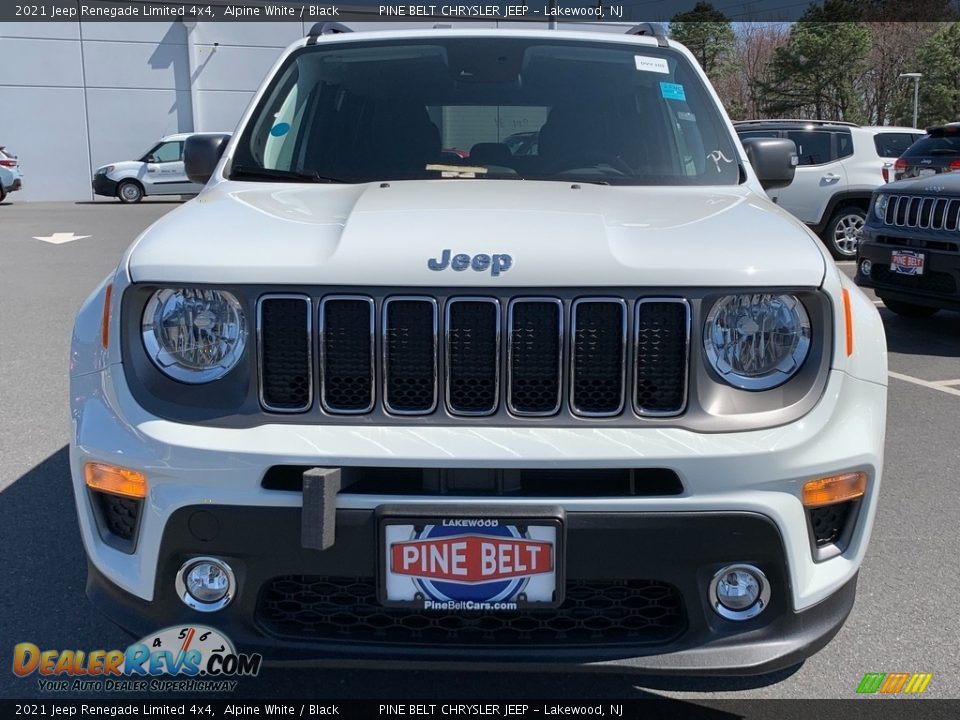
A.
x: 190, y: 658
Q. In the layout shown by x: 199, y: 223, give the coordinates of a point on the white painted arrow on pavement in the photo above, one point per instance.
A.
x: 60, y: 238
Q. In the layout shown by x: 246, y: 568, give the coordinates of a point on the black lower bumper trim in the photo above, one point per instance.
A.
x: 102, y: 185
x: 678, y: 550
x: 939, y: 286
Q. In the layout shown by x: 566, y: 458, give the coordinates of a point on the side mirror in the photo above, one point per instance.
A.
x: 774, y: 160
x: 150, y: 159
x: 201, y: 153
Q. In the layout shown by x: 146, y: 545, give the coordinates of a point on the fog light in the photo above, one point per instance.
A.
x: 865, y: 267
x: 739, y: 592
x: 205, y: 584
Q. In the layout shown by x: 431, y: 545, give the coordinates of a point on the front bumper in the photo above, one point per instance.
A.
x: 740, y: 503
x: 597, y: 631
x: 939, y: 286
x: 102, y: 185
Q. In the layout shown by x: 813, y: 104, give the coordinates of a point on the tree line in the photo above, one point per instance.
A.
x: 839, y: 61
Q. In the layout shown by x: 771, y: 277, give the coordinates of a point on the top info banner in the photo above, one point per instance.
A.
x: 558, y: 11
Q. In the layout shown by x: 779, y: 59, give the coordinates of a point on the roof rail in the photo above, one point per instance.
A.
x: 803, y: 121
x: 325, y: 28
x: 652, y: 30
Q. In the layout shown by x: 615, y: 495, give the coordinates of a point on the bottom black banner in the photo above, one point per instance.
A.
x: 648, y: 709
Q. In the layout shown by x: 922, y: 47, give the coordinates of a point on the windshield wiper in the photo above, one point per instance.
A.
x: 257, y: 173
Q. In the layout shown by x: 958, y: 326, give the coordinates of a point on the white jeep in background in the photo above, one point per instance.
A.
x: 840, y: 165
x: 604, y: 404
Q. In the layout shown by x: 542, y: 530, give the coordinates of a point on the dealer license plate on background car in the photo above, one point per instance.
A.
x: 463, y: 564
x: 906, y: 262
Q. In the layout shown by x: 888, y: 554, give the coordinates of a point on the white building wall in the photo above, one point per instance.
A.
x: 75, y: 96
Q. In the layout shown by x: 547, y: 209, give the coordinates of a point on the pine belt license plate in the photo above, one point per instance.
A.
x: 465, y: 563
x: 906, y: 262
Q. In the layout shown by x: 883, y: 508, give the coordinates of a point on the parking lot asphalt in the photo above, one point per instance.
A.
x: 906, y: 617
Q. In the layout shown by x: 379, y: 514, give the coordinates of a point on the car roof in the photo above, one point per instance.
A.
x: 953, y: 126
x: 184, y: 136
x: 621, y: 35
x: 893, y: 128
x: 794, y: 122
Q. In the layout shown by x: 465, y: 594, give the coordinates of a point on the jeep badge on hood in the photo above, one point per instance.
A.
x: 480, y: 262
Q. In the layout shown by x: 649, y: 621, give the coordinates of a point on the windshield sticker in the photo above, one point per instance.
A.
x: 280, y: 129
x: 717, y: 156
x: 672, y: 91
x: 651, y: 64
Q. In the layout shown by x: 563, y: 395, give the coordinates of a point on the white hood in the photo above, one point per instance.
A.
x: 555, y: 235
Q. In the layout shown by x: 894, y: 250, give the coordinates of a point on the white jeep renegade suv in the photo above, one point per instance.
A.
x: 602, y: 405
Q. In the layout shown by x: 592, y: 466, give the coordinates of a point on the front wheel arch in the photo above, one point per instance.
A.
x: 843, y: 232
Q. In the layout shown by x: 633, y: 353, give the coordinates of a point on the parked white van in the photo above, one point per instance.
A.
x: 158, y: 172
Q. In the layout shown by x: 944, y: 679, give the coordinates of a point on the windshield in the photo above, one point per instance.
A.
x: 496, y: 108
x: 946, y: 144
x: 893, y: 145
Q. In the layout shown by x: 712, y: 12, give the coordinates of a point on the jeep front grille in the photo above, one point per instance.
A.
x: 928, y: 213
x: 413, y: 355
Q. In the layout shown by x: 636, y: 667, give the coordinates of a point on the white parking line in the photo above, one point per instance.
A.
x: 946, y: 382
x: 925, y: 383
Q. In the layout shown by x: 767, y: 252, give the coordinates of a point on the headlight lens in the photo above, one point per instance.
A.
x: 194, y: 335
x: 105, y: 170
x: 759, y: 341
x: 880, y: 206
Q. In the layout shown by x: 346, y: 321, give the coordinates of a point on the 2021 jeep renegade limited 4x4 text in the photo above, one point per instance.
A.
x: 364, y: 399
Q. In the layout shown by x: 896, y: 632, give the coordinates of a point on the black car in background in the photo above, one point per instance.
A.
x: 910, y: 249
x: 936, y: 152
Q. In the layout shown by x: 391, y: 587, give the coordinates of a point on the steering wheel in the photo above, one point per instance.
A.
x: 591, y: 158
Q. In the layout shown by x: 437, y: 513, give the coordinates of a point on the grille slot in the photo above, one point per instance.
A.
x: 473, y: 356
x: 410, y: 355
x: 346, y: 352
x: 536, y: 346
x: 121, y: 515
x: 594, y: 612
x: 598, y: 356
x: 661, y: 356
x: 286, y: 364
x: 828, y: 522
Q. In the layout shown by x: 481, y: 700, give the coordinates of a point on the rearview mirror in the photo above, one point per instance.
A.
x: 774, y: 160
x: 201, y: 153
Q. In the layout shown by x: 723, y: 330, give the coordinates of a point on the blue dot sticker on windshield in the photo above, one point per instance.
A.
x: 280, y: 129
x: 672, y: 91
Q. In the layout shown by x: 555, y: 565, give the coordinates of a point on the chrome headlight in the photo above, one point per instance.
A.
x: 880, y: 206
x: 194, y: 335
x: 757, y: 342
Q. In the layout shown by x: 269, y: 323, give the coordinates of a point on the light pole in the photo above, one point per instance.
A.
x: 916, y: 93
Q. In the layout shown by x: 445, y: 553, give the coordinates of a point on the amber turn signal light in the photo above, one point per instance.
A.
x: 834, y: 489
x: 115, y: 480
x: 848, y: 320
x: 105, y: 320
